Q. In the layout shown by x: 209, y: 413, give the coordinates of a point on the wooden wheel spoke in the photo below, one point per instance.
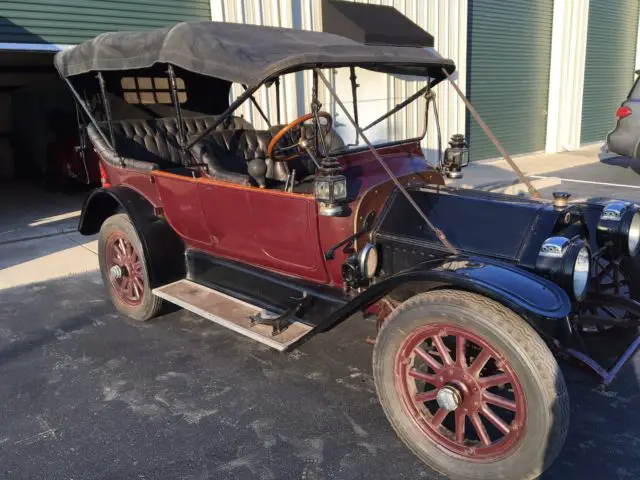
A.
x: 428, y: 359
x: 439, y: 417
x: 122, y: 247
x: 460, y: 425
x: 138, y: 281
x: 137, y: 267
x: 442, y: 350
x: 490, y: 415
x: 494, y: 380
x: 499, y: 401
x: 481, y: 360
x: 480, y: 430
x: 425, y: 396
x: 425, y: 377
x: 136, y: 288
x: 461, y: 345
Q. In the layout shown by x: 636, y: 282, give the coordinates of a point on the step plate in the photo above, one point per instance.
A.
x: 229, y: 312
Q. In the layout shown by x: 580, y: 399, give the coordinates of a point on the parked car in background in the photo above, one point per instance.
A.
x: 625, y: 138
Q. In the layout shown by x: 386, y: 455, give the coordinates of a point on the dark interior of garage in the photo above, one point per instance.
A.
x: 37, y: 118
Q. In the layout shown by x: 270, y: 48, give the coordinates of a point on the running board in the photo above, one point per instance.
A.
x: 230, y: 312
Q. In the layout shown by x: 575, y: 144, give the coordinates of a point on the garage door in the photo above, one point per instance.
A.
x: 508, y: 74
x: 609, y: 65
x: 73, y: 21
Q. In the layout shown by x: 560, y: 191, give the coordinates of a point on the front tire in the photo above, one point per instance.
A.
x: 124, y: 269
x: 470, y: 387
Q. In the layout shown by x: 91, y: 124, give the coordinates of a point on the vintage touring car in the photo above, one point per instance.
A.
x: 283, y: 232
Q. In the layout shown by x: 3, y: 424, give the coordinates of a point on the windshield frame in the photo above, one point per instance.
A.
x: 423, y: 92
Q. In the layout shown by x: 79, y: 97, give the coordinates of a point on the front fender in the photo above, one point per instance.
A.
x: 539, y: 301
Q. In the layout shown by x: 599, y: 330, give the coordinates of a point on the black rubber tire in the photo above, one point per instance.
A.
x: 150, y: 305
x: 545, y: 391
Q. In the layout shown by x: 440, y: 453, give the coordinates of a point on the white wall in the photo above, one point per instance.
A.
x: 566, y: 76
x: 446, y: 20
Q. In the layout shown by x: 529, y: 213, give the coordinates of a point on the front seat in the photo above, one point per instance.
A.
x: 225, y: 153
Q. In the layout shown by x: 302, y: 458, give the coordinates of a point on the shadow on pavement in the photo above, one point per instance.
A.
x: 622, y: 162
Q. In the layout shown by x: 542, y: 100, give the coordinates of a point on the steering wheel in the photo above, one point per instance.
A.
x: 279, y: 153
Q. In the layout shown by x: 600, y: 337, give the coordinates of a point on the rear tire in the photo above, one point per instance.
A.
x: 406, y: 368
x: 124, y: 269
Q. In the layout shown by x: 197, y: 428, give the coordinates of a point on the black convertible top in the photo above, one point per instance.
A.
x: 246, y: 54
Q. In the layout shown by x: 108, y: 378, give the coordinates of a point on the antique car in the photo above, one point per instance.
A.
x: 281, y: 233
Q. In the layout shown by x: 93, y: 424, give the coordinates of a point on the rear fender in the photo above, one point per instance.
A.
x: 102, y: 203
x: 540, y: 302
x: 162, y: 246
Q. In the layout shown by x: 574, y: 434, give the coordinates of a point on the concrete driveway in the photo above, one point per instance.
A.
x: 617, y: 177
x: 38, y: 236
x: 88, y: 394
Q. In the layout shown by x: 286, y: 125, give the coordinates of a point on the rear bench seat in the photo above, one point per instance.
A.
x: 153, y: 143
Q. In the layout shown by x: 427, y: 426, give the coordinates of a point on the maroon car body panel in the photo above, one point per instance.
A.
x: 278, y: 231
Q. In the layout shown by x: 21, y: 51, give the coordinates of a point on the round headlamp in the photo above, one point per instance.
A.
x: 368, y: 260
x: 619, y: 226
x: 581, y: 271
x: 568, y: 263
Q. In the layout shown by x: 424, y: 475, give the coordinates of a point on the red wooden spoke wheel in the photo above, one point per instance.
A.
x: 124, y: 269
x: 460, y: 391
x: 470, y: 387
x: 124, y: 266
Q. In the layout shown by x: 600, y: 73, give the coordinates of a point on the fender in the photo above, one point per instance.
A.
x: 539, y: 301
x: 163, y: 248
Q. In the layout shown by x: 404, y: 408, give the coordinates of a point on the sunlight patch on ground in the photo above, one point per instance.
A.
x: 38, y: 260
x: 55, y: 218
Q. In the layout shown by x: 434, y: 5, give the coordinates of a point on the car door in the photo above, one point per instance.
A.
x: 625, y: 137
x: 182, y: 208
x: 266, y: 228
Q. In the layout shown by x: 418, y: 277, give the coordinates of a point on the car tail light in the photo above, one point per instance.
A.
x: 104, y: 180
x: 623, y: 112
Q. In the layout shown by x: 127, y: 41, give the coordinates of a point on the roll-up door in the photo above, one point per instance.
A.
x: 73, y: 21
x: 609, y: 64
x: 508, y: 73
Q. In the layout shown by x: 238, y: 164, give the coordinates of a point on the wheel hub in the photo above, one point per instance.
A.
x: 449, y: 398
x: 116, y: 272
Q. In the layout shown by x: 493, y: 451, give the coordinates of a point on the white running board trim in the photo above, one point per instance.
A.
x: 188, y: 294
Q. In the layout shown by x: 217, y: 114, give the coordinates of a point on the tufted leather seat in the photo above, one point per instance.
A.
x: 227, y: 152
x: 153, y: 143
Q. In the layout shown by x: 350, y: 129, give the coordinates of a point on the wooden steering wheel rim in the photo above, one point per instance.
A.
x: 287, y: 128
